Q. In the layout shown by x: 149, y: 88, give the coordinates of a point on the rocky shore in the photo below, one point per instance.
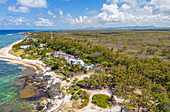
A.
x: 39, y: 82
x: 38, y: 86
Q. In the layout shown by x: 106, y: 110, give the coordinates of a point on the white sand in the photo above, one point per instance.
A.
x: 36, y: 64
x: 4, y: 55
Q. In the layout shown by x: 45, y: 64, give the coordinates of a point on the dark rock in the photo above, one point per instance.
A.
x: 49, y: 105
x: 53, y: 91
x: 40, y: 107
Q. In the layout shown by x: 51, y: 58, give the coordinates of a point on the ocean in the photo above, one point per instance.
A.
x: 9, y: 72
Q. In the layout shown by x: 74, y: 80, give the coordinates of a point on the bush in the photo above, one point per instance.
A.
x: 100, y: 100
x: 56, y: 71
x: 23, y: 56
x: 84, y: 103
x: 67, y: 80
x: 75, y: 80
x: 75, y: 96
x: 16, y: 50
x: 76, y: 87
x: 80, y: 92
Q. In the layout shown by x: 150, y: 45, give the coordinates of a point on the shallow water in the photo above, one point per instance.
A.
x: 9, y: 101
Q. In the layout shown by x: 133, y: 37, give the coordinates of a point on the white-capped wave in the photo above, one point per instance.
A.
x: 9, y: 34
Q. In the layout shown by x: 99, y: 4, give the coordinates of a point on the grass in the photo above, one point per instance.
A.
x: 100, y: 100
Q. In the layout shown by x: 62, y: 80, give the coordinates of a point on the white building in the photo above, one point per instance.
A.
x: 80, y: 62
x: 88, y: 67
x: 41, y: 45
x: 48, y: 54
x: 73, y: 61
x: 24, y: 46
x: 34, y: 39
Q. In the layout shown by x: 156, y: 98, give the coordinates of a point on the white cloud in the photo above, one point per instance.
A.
x: 44, y: 22
x: 125, y: 8
x: 51, y: 14
x: 17, y: 21
x: 61, y: 13
x: 28, y: 24
x: 33, y: 3
x: 23, y: 5
x: 92, y: 12
x: 3, y: 1
x: 161, y: 6
x: 19, y: 9
x: 130, y: 13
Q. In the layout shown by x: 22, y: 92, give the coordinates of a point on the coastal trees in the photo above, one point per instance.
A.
x: 144, y: 82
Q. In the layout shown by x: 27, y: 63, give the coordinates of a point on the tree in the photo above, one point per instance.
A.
x: 104, y: 64
x: 75, y: 96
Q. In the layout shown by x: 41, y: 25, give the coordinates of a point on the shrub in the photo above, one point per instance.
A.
x: 80, y: 92
x: 100, y: 100
x: 56, y: 71
x: 76, y: 87
x: 75, y: 96
x: 67, y: 80
x: 75, y: 80
x: 23, y: 56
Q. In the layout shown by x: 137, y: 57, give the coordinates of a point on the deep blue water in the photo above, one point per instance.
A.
x: 6, y: 32
x: 9, y: 101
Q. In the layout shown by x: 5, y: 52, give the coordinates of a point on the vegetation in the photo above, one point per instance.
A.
x: 83, y: 96
x: 100, y: 100
x: 130, y: 61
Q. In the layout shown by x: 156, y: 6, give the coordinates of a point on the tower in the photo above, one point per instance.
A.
x: 51, y: 35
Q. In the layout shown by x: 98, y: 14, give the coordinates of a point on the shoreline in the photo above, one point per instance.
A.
x: 5, y: 56
x: 40, y: 68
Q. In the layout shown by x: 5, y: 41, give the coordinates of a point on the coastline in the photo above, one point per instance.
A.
x: 5, y: 56
x: 40, y: 68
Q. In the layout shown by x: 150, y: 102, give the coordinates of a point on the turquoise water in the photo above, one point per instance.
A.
x: 9, y: 101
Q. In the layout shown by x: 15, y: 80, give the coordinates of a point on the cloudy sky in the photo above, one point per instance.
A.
x: 69, y: 14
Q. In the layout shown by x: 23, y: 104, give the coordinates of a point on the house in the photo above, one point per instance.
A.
x: 41, y: 45
x: 88, y: 67
x: 34, y: 39
x: 61, y: 54
x: 29, y: 33
x: 80, y: 62
x: 41, y: 48
x: 73, y: 61
x: 48, y: 54
x: 24, y: 46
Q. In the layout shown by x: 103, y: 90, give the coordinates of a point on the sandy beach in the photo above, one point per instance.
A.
x: 38, y: 65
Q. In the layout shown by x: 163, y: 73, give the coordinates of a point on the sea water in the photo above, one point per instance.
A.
x: 9, y: 72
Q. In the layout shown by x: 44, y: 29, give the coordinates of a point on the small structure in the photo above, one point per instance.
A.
x: 34, y: 39
x: 48, y: 54
x: 29, y: 34
x: 80, y: 62
x: 41, y: 45
x: 72, y: 61
x: 88, y: 67
x: 41, y: 48
x: 24, y: 46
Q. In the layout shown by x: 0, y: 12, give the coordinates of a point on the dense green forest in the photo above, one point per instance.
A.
x: 130, y: 61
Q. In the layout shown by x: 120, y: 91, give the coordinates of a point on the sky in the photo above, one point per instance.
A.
x: 73, y: 14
